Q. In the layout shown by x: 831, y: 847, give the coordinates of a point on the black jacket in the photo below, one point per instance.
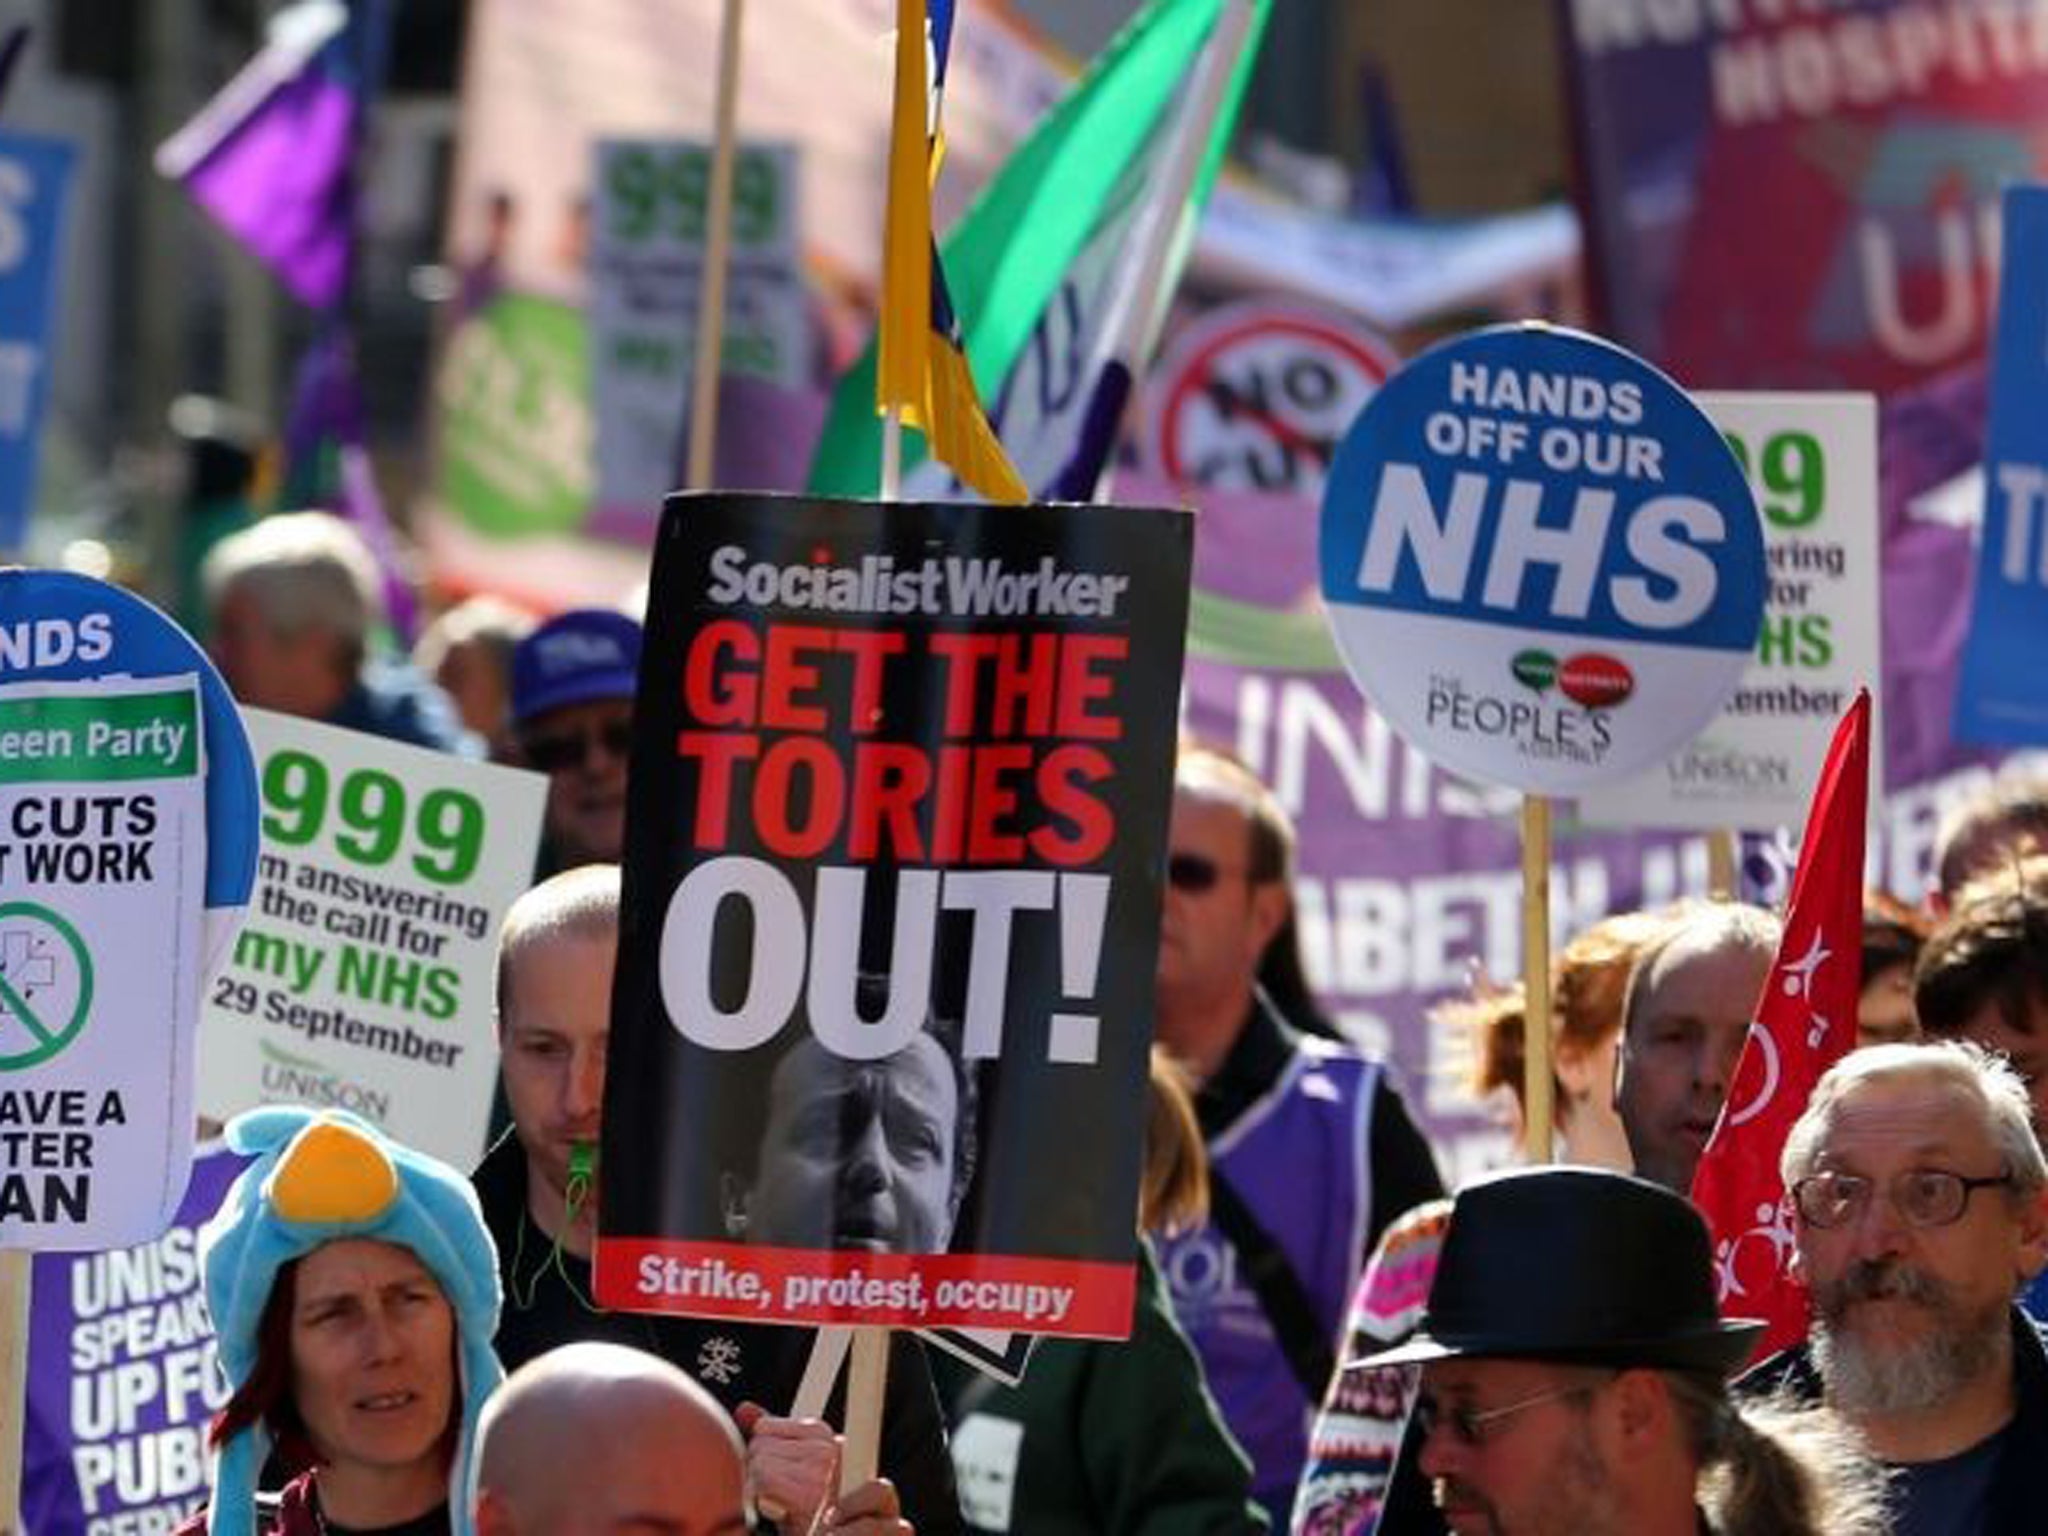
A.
x: 547, y: 1302
x: 2019, y: 1482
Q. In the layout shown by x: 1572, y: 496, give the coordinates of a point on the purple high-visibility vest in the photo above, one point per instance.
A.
x: 1299, y: 1159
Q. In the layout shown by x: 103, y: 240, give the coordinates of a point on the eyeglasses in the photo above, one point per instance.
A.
x: 571, y: 749
x: 1923, y: 1197
x: 1472, y: 1428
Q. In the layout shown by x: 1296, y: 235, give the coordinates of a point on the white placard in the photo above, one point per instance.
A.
x: 364, y: 976
x: 102, y: 883
x: 1812, y: 461
x: 646, y: 265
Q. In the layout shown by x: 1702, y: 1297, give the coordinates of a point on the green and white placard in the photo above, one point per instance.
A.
x: 1812, y: 461
x: 647, y: 254
x: 363, y: 978
x: 102, y: 880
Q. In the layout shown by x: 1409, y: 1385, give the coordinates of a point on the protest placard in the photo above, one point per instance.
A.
x: 1869, y: 138
x: 1812, y: 462
x: 647, y: 255
x: 35, y: 177
x: 121, y: 1377
x: 364, y: 978
x: 1596, y: 537
x: 895, y: 836
x: 126, y: 849
x: 1540, y: 559
x: 1998, y: 702
x: 101, y: 869
x: 1255, y: 395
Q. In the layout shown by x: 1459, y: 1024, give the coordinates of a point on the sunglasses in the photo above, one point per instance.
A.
x: 1193, y: 873
x: 552, y: 754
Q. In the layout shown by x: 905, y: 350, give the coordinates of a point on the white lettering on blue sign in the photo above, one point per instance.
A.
x: 1662, y: 536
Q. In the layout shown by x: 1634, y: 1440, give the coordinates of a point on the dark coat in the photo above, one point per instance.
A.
x: 2019, y: 1483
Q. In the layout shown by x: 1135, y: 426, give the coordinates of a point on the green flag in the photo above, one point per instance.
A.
x: 1057, y: 221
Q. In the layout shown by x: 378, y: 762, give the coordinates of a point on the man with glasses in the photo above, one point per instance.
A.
x: 1982, y: 975
x: 1312, y: 1151
x: 1921, y: 1209
x: 1574, y: 1377
x: 573, y: 680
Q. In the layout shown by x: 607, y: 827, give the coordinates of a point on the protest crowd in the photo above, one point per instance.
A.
x: 969, y: 936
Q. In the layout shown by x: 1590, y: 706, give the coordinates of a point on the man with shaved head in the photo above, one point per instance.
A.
x: 652, y: 1452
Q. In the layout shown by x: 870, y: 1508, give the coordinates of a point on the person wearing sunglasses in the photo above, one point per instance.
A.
x: 1920, y: 1201
x: 573, y: 680
x: 1312, y: 1151
x: 1575, y: 1377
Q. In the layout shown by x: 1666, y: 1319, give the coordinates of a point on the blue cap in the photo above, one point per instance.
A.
x: 576, y: 657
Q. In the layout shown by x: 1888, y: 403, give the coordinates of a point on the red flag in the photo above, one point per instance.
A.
x: 1806, y: 1022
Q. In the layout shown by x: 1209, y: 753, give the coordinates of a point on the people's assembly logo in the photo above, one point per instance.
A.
x: 1572, y: 726
x: 1590, y: 680
x: 45, y: 984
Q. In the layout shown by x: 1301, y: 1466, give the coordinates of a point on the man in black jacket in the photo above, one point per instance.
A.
x: 1922, y: 1209
x: 538, y: 1190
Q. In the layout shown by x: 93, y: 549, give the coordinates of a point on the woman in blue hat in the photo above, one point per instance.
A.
x: 354, y: 1292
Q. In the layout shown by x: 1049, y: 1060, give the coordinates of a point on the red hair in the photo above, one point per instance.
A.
x: 266, y: 1395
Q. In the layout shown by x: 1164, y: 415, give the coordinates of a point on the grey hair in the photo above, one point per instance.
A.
x: 1701, y: 925
x: 1776, y: 1467
x: 1983, y: 1077
x: 302, y: 570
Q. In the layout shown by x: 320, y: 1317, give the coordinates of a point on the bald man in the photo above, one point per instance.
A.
x: 653, y: 1451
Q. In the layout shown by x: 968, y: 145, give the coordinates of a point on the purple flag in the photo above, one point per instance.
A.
x: 327, y: 464
x: 270, y: 157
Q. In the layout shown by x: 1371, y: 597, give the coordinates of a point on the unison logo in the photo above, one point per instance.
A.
x: 296, y: 1079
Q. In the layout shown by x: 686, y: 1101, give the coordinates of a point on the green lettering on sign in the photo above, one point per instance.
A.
x: 375, y: 814
x: 99, y: 737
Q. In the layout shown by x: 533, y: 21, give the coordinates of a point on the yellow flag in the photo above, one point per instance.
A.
x: 920, y: 367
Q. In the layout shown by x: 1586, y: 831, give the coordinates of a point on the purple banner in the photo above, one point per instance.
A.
x: 1801, y: 197
x: 122, y: 1378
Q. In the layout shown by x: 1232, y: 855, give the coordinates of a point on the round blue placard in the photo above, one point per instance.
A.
x: 56, y: 626
x: 1541, y: 561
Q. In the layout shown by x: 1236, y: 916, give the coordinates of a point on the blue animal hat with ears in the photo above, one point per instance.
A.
x: 321, y: 1175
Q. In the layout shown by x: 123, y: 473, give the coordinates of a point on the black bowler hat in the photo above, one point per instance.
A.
x: 1576, y: 1265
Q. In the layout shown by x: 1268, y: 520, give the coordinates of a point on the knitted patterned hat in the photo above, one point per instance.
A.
x: 318, y: 1176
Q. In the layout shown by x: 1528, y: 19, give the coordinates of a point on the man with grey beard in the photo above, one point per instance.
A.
x: 1921, y: 1199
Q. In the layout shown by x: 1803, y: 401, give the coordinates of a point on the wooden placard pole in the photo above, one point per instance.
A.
x: 1538, y: 1112
x: 868, y: 1377
x: 821, y: 1372
x: 717, y: 248
x: 14, y: 1283
x: 1721, y: 880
